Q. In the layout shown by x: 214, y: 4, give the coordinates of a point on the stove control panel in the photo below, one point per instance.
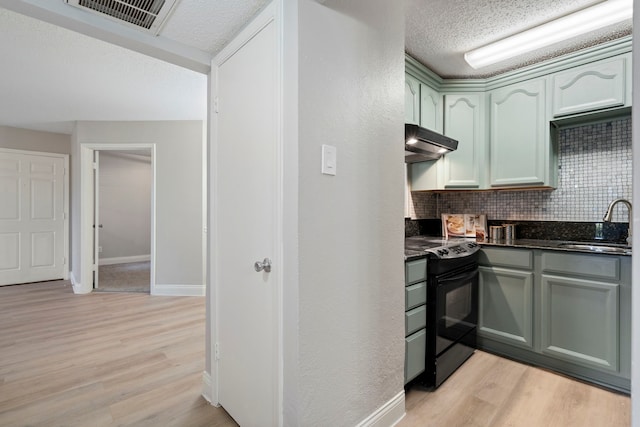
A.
x: 455, y: 250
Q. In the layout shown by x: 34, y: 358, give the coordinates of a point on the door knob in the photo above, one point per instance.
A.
x: 264, y: 265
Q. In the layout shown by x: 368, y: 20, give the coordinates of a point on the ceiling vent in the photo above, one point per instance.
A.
x: 148, y: 15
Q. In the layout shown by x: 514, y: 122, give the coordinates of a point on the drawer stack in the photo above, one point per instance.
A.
x: 415, y: 317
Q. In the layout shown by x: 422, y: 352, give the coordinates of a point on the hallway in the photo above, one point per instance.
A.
x: 102, y: 359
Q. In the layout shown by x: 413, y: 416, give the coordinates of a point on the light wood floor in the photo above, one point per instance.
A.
x: 131, y: 359
x: 102, y: 359
x: 492, y: 391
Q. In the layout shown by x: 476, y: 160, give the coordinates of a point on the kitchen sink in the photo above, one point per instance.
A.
x: 599, y: 248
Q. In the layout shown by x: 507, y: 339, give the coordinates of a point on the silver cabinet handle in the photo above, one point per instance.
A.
x: 264, y: 265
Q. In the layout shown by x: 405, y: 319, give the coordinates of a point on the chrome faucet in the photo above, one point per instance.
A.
x: 607, y: 216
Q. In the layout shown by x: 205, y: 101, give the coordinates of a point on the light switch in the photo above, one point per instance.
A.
x: 329, y: 159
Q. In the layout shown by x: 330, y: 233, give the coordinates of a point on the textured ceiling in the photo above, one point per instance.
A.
x: 209, y: 25
x: 439, y: 32
x: 53, y: 76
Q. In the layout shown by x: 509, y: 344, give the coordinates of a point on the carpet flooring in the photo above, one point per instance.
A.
x: 130, y: 277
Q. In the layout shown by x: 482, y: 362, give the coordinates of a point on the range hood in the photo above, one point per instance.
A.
x: 421, y: 144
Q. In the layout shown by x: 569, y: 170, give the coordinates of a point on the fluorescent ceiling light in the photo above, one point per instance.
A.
x: 584, y: 21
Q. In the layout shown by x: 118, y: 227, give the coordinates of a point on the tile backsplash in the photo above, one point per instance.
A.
x: 594, y: 169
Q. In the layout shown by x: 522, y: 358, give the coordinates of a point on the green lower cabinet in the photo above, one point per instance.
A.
x: 506, y: 301
x: 580, y: 321
x: 415, y: 317
x: 566, y: 311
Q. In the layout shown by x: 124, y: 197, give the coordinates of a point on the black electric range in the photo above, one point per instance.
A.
x: 452, y: 303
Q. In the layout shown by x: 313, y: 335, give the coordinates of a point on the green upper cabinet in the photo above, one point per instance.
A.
x: 464, y: 119
x: 504, y: 123
x: 411, y: 100
x: 521, y: 154
x: 422, y: 104
x: 430, y: 108
x: 599, y: 85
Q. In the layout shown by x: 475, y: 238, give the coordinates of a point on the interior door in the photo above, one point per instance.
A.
x: 246, y: 193
x: 31, y: 218
x: 96, y: 218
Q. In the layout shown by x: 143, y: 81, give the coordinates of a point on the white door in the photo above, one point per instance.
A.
x: 96, y: 217
x: 31, y: 218
x: 246, y: 193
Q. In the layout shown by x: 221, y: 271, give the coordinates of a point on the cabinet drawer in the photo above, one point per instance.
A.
x: 593, y: 266
x: 415, y: 319
x: 414, y: 353
x: 415, y: 295
x: 415, y: 271
x: 506, y: 257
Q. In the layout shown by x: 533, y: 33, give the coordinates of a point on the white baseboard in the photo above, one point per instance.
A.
x: 77, y: 286
x: 124, y: 259
x: 207, y: 388
x: 179, y: 290
x: 388, y: 415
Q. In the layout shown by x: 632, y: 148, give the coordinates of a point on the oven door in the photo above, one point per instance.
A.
x: 456, y: 307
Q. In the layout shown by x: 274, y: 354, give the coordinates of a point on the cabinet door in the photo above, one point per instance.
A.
x: 506, y: 306
x: 411, y: 100
x: 425, y: 176
x: 580, y: 321
x: 463, y: 121
x: 520, y: 136
x: 430, y: 108
x: 590, y: 87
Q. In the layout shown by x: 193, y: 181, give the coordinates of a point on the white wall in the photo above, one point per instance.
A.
x: 124, y: 205
x: 31, y: 140
x: 350, y: 339
x: 180, y: 147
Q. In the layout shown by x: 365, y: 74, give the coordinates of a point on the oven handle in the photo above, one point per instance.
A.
x: 459, y: 277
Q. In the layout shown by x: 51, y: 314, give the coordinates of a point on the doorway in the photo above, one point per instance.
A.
x: 92, y: 233
x: 122, y: 203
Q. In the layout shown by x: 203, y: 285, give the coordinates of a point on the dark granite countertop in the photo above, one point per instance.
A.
x: 560, y: 245
x: 557, y: 245
x: 550, y: 235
